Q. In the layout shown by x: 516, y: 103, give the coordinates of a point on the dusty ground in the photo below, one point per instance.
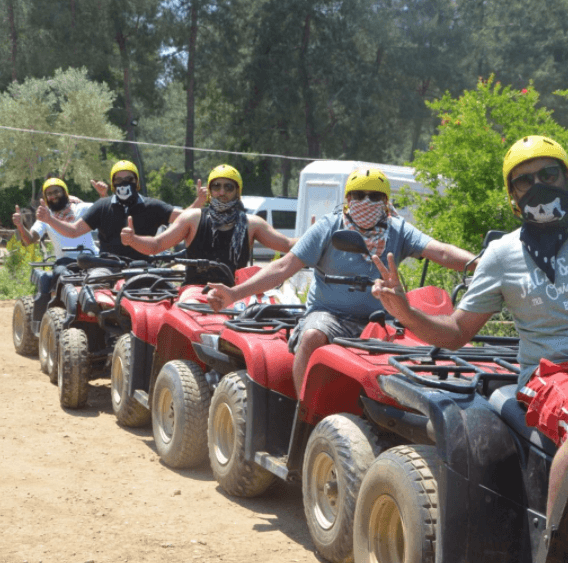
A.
x: 75, y: 487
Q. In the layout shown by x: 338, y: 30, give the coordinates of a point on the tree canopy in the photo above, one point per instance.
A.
x: 342, y: 79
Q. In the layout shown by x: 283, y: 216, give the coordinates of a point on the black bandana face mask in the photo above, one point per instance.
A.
x: 544, y: 210
x: 126, y: 193
x: 546, y: 206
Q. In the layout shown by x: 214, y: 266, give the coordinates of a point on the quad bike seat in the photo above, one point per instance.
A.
x: 505, y: 402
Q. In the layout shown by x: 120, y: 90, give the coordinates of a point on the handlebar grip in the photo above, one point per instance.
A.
x: 339, y: 279
x: 356, y: 283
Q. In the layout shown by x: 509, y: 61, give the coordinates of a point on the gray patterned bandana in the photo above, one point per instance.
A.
x: 224, y: 214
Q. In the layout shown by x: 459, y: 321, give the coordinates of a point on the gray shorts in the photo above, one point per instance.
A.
x: 331, y: 325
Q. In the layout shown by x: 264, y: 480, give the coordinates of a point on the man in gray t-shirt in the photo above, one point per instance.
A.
x: 332, y: 310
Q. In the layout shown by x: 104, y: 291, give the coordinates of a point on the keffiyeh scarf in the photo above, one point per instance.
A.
x: 370, y: 219
x: 224, y: 214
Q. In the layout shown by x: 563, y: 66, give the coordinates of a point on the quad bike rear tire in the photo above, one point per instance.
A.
x: 180, y: 407
x: 226, y: 440
x: 129, y: 412
x: 25, y: 341
x: 338, y: 453
x: 49, y: 332
x: 73, y: 368
x: 397, y: 509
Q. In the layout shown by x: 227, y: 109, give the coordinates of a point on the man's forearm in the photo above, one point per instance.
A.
x: 269, y: 277
x: 145, y: 245
x: 452, y: 257
x: 25, y: 235
x: 439, y: 330
x: 63, y: 228
x: 458, y: 258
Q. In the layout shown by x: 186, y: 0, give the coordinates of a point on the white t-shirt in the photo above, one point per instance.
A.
x: 60, y: 242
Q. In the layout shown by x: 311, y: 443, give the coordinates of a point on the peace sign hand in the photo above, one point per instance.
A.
x: 389, y: 290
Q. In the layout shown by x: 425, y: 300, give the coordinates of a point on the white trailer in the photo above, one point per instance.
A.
x: 322, y: 184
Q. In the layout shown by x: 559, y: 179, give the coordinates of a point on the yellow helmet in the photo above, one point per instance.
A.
x: 123, y: 166
x: 54, y: 182
x: 527, y: 148
x: 225, y: 171
x: 369, y: 180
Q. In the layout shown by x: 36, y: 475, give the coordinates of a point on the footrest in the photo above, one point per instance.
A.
x: 142, y: 398
x: 275, y: 465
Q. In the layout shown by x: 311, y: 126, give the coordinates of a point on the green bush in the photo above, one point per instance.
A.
x: 15, y: 272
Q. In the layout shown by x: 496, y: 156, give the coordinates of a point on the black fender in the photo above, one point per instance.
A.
x: 141, y: 358
x: 70, y: 298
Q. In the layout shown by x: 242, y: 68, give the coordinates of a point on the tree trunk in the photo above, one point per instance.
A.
x: 190, y: 80
x: 312, y: 137
x: 286, y: 169
x: 13, y: 39
x: 130, y: 123
x: 73, y: 9
x: 416, y: 136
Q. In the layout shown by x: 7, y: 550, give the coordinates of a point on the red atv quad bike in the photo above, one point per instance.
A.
x: 85, y: 320
x: 156, y: 373
x: 259, y: 429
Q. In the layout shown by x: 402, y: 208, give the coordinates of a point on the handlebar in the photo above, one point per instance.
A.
x: 202, y: 265
x: 357, y: 283
x: 105, y: 260
x: 129, y: 273
x: 80, y: 248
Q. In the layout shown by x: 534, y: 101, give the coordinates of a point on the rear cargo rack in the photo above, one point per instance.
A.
x: 451, y: 375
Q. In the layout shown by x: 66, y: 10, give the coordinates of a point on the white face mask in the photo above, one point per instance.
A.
x: 124, y: 191
x: 366, y: 213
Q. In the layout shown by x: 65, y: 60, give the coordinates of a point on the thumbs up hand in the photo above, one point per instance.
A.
x: 127, y: 234
x: 17, y: 217
x: 202, y: 194
x: 42, y: 212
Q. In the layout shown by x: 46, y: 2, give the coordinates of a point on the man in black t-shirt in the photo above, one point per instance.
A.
x: 109, y: 215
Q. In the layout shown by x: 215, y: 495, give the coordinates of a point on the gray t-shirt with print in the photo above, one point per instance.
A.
x: 507, y: 275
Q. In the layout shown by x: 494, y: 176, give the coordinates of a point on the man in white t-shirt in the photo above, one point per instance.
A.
x: 56, y: 194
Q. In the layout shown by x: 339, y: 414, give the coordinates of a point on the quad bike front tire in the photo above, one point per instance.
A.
x: 73, y: 368
x: 397, y: 509
x: 338, y: 453
x: 129, y: 412
x: 180, y: 407
x: 25, y: 341
x: 49, y: 331
x: 226, y: 440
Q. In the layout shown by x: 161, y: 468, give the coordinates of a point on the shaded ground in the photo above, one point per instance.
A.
x: 76, y: 487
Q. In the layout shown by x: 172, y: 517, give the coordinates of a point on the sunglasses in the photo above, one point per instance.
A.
x: 124, y: 181
x: 227, y: 186
x: 58, y: 192
x: 547, y: 175
x: 360, y: 195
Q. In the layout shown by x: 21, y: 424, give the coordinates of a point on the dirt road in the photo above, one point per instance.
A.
x: 75, y: 487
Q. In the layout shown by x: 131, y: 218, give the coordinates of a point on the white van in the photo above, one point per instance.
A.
x: 280, y: 212
x: 322, y: 185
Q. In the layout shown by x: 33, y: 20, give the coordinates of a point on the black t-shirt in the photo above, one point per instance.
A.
x: 109, y: 216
